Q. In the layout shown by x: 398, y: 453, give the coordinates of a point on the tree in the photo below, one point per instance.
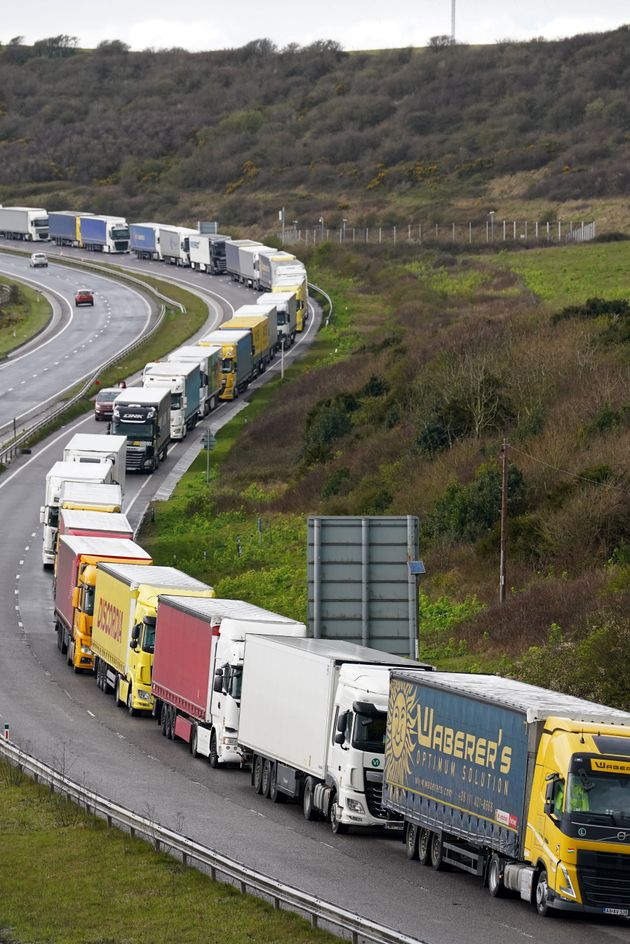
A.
x: 56, y: 47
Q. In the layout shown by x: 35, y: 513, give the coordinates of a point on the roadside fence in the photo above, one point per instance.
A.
x: 490, y: 231
x: 5, y: 294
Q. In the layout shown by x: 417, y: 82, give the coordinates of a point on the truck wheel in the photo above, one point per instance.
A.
x: 213, y: 756
x: 61, y: 643
x: 69, y: 654
x: 257, y: 773
x: 336, y: 825
x: 130, y: 708
x: 117, y: 699
x: 266, y: 778
x: 495, y: 877
x: 424, y: 846
x: 411, y: 841
x: 193, y: 742
x: 170, y: 724
x: 308, y: 802
x: 437, y: 854
x: 542, y: 896
x: 274, y: 794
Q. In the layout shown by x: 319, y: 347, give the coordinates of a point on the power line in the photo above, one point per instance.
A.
x: 574, y: 475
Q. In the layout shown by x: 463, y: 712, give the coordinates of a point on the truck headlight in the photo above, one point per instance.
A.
x: 144, y: 696
x: 567, y: 887
x: 86, y: 650
x: 355, y: 806
x: 229, y: 741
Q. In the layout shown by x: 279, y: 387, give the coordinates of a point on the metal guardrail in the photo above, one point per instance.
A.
x: 10, y: 449
x: 327, y: 299
x: 5, y: 294
x: 321, y: 913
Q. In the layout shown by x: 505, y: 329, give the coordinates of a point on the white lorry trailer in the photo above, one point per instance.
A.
x: 61, y: 472
x: 211, y: 378
x: 285, y: 304
x: 174, y: 244
x: 313, y: 718
x: 92, y: 447
x: 183, y: 379
x: 29, y: 223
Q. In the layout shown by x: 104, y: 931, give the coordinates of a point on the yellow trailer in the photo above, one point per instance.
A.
x: 123, y: 631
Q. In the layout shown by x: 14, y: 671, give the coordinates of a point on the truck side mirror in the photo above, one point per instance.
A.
x: 342, y: 720
x: 135, y: 636
x: 218, y: 681
x: 340, y: 738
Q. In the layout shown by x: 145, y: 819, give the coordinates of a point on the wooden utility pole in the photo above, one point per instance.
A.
x: 504, y: 520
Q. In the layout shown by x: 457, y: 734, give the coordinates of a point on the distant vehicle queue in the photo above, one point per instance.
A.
x: 259, y: 267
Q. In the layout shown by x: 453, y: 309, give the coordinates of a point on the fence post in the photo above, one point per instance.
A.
x: 470, y: 233
x: 394, y: 235
x: 380, y: 234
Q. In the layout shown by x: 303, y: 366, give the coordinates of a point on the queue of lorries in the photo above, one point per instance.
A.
x: 527, y: 788
x: 251, y: 263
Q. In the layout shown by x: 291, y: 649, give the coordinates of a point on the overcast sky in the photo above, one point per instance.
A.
x: 356, y: 24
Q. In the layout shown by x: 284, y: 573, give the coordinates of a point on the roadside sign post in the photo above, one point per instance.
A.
x: 209, y: 442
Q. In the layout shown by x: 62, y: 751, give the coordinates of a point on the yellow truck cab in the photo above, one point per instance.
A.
x: 578, y: 824
x: 123, y: 632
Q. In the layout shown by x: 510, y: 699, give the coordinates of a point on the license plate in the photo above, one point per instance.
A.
x: 622, y: 912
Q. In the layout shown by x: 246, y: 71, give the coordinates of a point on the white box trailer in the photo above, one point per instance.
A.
x: 232, y: 257
x: 29, y: 223
x: 210, y: 364
x: 286, y: 308
x: 175, y: 244
x: 61, y: 472
x: 248, y: 261
x: 93, y: 447
x: 313, y: 717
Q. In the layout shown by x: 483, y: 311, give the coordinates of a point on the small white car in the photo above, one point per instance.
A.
x: 38, y: 259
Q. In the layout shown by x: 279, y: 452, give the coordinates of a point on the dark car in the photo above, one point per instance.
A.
x: 104, y: 403
x: 83, y: 297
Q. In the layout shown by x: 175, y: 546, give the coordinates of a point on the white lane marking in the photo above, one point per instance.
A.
x: 121, y: 736
x: 64, y: 301
x: 91, y: 713
x: 67, y: 693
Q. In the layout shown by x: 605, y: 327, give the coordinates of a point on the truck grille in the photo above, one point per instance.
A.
x: 135, y: 458
x: 374, y: 792
x: 604, y: 879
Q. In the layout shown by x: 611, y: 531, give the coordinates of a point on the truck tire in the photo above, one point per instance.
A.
x: 338, y: 828
x: 193, y: 741
x: 213, y: 756
x: 132, y: 711
x: 170, y: 724
x: 542, y: 896
x: 495, y: 877
x: 274, y: 794
x: 308, y: 800
x: 437, y: 854
x: 164, y: 720
x: 117, y: 700
x: 266, y: 778
x: 424, y: 846
x: 411, y: 840
x: 257, y: 773
x: 61, y: 639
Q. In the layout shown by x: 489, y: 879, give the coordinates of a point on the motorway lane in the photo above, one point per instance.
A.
x: 83, y: 339
x: 64, y: 719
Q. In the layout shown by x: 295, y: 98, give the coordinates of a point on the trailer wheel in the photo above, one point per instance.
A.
x: 257, y: 773
x: 437, y: 854
x: 411, y: 841
x: 213, y: 756
x: 336, y: 825
x: 542, y: 896
x: 164, y: 720
x: 424, y: 846
x: 274, y: 794
x: 495, y: 877
x: 266, y: 778
x: 170, y: 727
x: 308, y: 800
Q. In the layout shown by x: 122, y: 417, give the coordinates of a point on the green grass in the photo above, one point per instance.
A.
x: 66, y: 878
x: 22, y: 319
x: 569, y: 274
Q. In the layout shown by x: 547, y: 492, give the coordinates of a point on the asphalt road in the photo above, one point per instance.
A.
x: 65, y: 720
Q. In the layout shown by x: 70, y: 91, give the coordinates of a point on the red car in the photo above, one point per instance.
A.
x: 83, y: 297
x: 104, y: 403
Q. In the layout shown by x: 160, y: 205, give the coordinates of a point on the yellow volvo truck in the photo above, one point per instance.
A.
x: 75, y: 580
x: 525, y: 787
x: 123, y: 631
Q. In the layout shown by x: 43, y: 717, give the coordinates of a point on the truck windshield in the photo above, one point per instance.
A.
x: 88, y: 601
x: 228, y: 365
x: 176, y: 401
x: 120, y: 232
x: 369, y: 732
x: 133, y: 430
x: 148, y: 637
x: 599, y: 794
x: 282, y: 318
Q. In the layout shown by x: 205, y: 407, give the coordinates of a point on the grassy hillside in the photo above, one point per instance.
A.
x: 446, y: 133
x: 432, y: 362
